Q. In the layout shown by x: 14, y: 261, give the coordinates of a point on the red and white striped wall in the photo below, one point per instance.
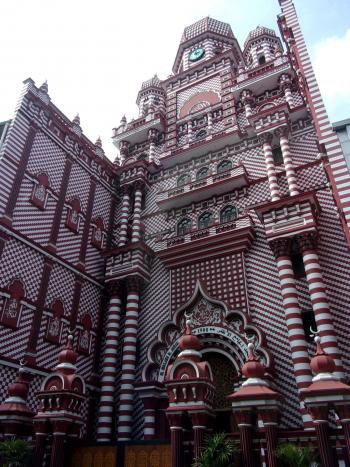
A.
x: 340, y: 177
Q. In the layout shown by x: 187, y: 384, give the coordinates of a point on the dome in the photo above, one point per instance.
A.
x: 206, y: 25
x: 257, y: 32
x: 154, y: 82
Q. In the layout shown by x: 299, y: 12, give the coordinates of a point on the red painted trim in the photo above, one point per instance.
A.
x: 86, y: 230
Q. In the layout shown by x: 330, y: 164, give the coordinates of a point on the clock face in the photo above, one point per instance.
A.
x: 196, y: 54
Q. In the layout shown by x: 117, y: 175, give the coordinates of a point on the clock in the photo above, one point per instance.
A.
x: 196, y: 54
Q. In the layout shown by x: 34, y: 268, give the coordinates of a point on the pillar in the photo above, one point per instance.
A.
x: 270, y: 166
x: 247, y: 99
x: 176, y: 437
x: 210, y: 122
x: 58, y: 448
x: 323, y: 317
x: 126, y: 399
x: 109, y: 366
x: 152, y: 139
x: 344, y: 415
x: 189, y: 131
x: 124, y: 151
x: 40, y: 430
x: 288, y: 164
x: 200, y: 421
x: 136, y: 225
x: 270, y: 421
x: 244, y: 422
x: 320, y: 416
x: 123, y: 231
x: 286, y: 88
x: 294, y: 322
x: 150, y: 405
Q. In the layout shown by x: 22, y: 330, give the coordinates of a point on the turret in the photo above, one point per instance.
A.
x: 261, y: 46
x: 151, y: 97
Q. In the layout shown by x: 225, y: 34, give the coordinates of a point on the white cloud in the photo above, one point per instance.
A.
x: 332, y: 67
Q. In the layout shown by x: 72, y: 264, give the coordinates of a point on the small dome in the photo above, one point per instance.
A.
x: 257, y: 32
x: 253, y: 368
x: 188, y: 341
x: 151, y: 83
x: 321, y: 362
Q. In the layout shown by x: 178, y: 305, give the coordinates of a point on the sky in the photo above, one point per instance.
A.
x: 95, y: 54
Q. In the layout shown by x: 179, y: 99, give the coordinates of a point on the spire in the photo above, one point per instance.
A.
x: 98, y: 142
x: 76, y: 120
x: 44, y: 87
x: 322, y: 364
x: 67, y: 358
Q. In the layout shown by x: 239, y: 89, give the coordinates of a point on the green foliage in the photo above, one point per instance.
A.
x: 218, y: 451
x: 15, y: 453
x: 290, y: 455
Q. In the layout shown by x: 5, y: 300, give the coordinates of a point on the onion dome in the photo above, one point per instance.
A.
x: 188, y: 341
x: 44, y: 88
x: 19, y: 388
x: 258, y: 32
x: 322, y: 364
x: 67, y: 358
x: 76, y: 120
x: 253, y: 368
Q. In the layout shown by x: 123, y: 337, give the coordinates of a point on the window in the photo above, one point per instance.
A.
x: 261, y: 59
x: 228, y: 213
x: 298, y: 265
x: 73, y: 216
x: 98, y: 233
x: 277, y: 156
x: 205, y: 220
x: 54, y: 324
x: 309, y: 323
x: 183, y: 180
x: 84, y: 340
x: 12, y: 307
x: 39, y: 194
x: 184, y: 226
x: 201, y: 134
x: 223, y: 166
x: 202, y: 173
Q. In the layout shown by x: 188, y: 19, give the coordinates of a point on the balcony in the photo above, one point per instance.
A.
x: 215, y: 184
x: 218, y: 239
x: 137, y: 130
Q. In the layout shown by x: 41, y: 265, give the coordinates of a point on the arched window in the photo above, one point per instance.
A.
x: 201, y: 134
x: 184, y: 226
x: 205, y: 220
x: 202, y: 173
x: 227, y: 214
x: 262, y: 59
x: 183, y: 180
x: 224, y: 165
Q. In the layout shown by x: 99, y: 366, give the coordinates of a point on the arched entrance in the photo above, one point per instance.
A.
x: 225, y: 377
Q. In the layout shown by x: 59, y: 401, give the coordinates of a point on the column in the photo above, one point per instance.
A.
x: 58, y: 449
x: 285, y: 86
x: 288, y: 164
x: 320, y: 416
x: 152, y: 138
x: 150, y: 405
x: 270, y: 420
x: 109, y: 366
x: 244, y: 422
x: 40, y: 430
x: 200, y: 422
x: 247, y: 99
x: 344, y: 415
x: 176, y: 437
x: 270, y: 166
x: 124, y: 151
x: 296, y: 335
x: 124, y: 219
x: 126, y: 401
x: 210, y: 122
x: 189, y: 131
x: 136, y: 224
x: 267, y: 52
x: 323, y: 317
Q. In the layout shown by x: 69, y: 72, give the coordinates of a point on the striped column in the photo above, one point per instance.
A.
x: 123, y: 151
x: 136, y: 225
x: 270, y: 166
x: 152, y: 139
x: 109, y: 367
x: 285, y: 86
x: 150, y: 406
x: 288, y: 164
x: 126, y: 401
x: 319, y: 301
x: 123, y: 232
x: 296, y: 335
x: 247, y: 99
x: 189, y: 131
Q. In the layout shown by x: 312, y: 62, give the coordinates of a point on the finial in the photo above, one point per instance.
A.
x: 123, y: 119
x: 322, y: 364
x: 44, y: 87
x: 98, y: 142
x: 76, y: 120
